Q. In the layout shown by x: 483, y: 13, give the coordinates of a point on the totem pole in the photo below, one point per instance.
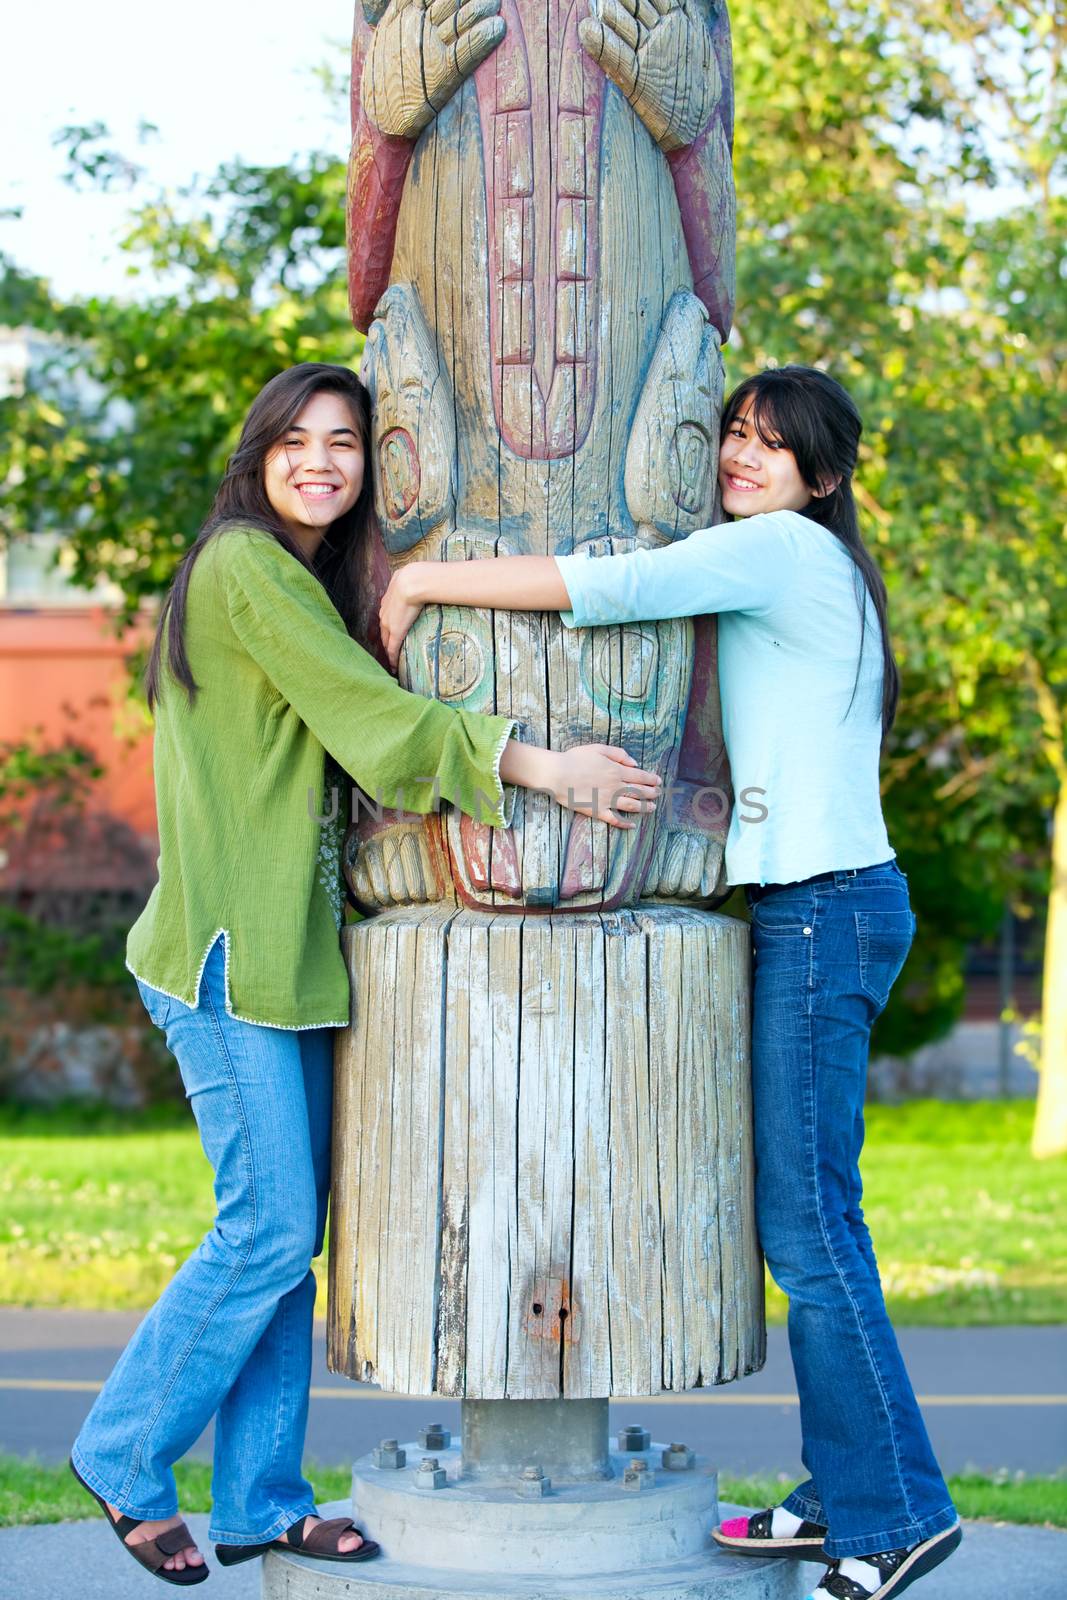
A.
x: 542, y: 1161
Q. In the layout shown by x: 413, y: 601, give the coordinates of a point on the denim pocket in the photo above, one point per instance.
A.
x: 782, y: 916
x: 883, y: 940
x: 158, y: 1005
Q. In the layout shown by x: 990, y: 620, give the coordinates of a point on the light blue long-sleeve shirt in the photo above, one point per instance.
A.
x: 787, y: 594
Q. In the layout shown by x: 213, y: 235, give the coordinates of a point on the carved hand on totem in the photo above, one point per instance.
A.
x: 421, y: 53
x: 660, y: 54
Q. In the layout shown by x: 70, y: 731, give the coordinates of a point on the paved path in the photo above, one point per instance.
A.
x: 82, y: 1561
x: 993, y: 1398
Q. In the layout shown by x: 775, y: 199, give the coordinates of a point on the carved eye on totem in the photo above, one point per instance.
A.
x: 399, y: 473
x: 455, y: 664
x: 619, y: 670
x: 690, y: 464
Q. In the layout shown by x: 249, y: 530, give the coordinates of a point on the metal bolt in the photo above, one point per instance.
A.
x: 435, y: 1437
x: 430, y: 1475
x: 532, y: 1484
x: 389, y: 1454
x: 637, y: 1476
x: 634, y: 1437
x: 678, y: 1458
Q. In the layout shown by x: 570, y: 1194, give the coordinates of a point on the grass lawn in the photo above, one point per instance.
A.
x: 98, y: 1210
x: 30, y: 1492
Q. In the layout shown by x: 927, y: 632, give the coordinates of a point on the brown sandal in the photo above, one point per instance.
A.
x: 321, y: 1542
x: 152, y: 1554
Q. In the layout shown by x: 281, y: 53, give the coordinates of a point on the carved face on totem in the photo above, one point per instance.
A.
x: 541, y: 243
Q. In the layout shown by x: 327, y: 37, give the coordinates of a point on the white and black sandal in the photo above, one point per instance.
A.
x: 890, y: 1571
x: 755, y: 1536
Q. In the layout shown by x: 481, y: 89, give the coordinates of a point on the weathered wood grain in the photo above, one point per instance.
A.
x: 543, y: 1161
x: 541, y: 244
x: 544, y: 1177
x: 590, y: 1369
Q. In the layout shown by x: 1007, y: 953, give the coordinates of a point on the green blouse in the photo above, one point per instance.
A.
x: 241, y: 784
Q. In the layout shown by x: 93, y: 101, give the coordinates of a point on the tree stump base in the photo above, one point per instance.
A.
x: 543, y: 1170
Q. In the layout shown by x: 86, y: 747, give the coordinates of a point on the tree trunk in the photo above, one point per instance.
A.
x: 543, y: 1168
x: 1050, y: 1123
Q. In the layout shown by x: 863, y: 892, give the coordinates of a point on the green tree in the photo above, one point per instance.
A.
x: 864, y: 149
x: 874, y: 146
x: 128, y: 456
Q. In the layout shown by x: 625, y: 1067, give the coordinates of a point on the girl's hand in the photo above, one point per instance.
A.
x: 398, y: 612
x: 596, y: 780
x: 493, y: 583
x: 601, y: 781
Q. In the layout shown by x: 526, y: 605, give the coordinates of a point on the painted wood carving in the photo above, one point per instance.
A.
x: 541, y: 249
x: 542, y: 1159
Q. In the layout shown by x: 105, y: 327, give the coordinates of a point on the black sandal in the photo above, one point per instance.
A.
x: 897, y: 1569
x: 321, y: 1543
x: 151, y: 1553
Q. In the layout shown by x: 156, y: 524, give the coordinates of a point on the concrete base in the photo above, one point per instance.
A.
x: 713, y: 1577
x: 543, y: 1528
x: 472, y: 1541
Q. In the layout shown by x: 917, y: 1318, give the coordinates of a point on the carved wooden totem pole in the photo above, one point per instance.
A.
x: 543, y: 1168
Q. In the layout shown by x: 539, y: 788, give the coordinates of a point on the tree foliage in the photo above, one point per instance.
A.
x: 124, y: 433
x: 900, y: 171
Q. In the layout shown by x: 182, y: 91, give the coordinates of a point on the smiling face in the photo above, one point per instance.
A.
x: 315, y: 472
x: 757, y: 471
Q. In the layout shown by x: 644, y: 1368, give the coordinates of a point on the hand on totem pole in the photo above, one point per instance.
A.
x: 660, y: 54
x: 421, y: 52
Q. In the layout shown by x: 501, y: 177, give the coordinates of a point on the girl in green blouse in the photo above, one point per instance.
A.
x: 255, y: 680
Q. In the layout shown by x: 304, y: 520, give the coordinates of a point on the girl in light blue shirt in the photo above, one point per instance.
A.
x: 809, y: 688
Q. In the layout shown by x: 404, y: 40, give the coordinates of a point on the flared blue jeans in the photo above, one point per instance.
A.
x: 230, y: 1337
x: 826, y: 954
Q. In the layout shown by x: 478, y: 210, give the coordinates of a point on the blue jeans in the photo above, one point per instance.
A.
x: 826, y: 954
x: 230, y: 1337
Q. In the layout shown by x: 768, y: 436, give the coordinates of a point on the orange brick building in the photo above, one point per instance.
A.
x: 64, y: 678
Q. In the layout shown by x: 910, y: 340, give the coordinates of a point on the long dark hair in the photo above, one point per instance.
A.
x: 242, y: 499
x: 818, y: 421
